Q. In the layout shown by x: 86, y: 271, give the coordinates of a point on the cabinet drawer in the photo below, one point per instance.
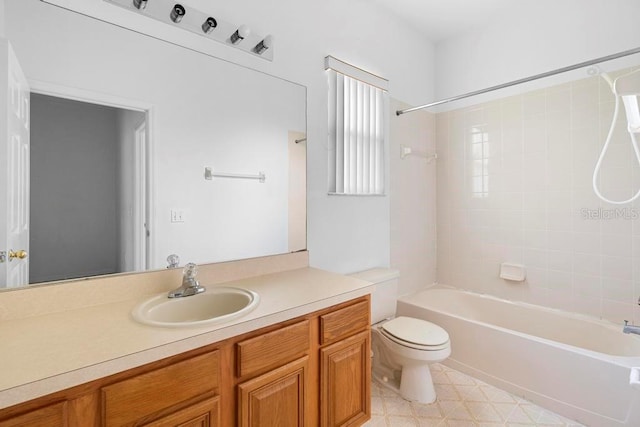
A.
x: 344, y: 322
x: 49, y: 416
x: 273, y: 348
x: 131, y: 400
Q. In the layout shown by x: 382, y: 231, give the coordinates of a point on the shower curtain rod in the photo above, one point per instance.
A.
x: 524, y: 80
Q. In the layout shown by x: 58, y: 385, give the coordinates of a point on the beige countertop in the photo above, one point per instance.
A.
x: 49, y: 352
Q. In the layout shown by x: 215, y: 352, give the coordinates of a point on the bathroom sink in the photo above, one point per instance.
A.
x: 216, y: 305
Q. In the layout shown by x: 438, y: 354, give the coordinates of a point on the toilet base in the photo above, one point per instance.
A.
x: 413, y: 384
x: 416, y: 384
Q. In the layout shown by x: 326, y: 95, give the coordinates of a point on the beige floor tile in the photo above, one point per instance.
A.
x: 459, y: 378
x: 446, y: 392
x: 431, y: 422
x: 376, y: 421
x: 471, y: 393
x: 462, y: 401
x: 496, y: 395
x: 482, y: 411
x: 517, y: 415
x: 427, y: 411
x: 455, y: 411
x: 396, y: 421
x: 377, y: 405
x: 397, y: 406
x: 506, y: 410
x: 459, y: 423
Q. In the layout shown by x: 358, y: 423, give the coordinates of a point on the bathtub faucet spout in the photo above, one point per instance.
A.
x: 630, y: 329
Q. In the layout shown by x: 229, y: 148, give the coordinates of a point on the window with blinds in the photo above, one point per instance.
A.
x: 357, y: 127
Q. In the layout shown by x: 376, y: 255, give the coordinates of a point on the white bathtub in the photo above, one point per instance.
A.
x: 573, y: 365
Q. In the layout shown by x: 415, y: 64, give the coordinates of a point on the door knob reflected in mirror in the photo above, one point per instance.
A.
x: 17, y: 254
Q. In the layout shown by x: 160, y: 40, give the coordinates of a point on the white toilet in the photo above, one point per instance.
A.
x: 403, y: 347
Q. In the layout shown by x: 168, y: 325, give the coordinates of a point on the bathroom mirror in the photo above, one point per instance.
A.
x: 124, y: 128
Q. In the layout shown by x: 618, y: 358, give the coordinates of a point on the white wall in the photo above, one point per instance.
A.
x: 534, y: 37
x: 344, y: 233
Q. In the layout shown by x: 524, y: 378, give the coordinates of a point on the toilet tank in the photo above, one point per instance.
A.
x: 385, y: 293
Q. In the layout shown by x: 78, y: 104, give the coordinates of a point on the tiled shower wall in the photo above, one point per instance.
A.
x: 514, y: 185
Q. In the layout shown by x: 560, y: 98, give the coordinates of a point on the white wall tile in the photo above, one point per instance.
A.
x: 580, y: 253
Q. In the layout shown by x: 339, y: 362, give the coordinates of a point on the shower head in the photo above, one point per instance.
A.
x: 628, y: 88
x: 594, y: 70
x: 633, y: 112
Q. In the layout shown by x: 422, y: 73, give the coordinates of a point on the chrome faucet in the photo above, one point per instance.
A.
x: 190, y: 285
x: 630, y: 329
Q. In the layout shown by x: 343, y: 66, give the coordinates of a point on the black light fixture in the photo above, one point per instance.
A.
x: 265, y: 44
x: 177, y: 13
x: 209, y: 25
x: 242, y: 32
x: 140, y: 4
x: 202, y: 24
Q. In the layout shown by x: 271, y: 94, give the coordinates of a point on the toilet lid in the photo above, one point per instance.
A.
x: 416, y: 331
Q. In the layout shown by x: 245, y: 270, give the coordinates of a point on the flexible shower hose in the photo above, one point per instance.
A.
x: 605, y: 147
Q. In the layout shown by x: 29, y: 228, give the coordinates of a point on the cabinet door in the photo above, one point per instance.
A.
x: 345, y: 387
x: 275, y: 399
x: 203, y: 414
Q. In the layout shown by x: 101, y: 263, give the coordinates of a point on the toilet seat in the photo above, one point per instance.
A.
x: 415, y: 333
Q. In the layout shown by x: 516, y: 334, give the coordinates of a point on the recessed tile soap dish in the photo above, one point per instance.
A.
x: 512, y: 272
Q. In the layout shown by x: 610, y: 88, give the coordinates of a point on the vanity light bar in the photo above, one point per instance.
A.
x: 177, y: 14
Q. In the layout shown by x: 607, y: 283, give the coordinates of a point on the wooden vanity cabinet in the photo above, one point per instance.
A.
x: 310, y: 371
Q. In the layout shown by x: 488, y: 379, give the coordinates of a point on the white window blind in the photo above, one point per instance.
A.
x: 357, y: 115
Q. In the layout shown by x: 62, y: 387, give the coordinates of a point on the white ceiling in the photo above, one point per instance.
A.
x: 441, y: 19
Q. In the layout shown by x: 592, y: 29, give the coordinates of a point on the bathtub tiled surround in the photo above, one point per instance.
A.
x: 462, y: 401
x: 413, y: 199
x: 514, y: 185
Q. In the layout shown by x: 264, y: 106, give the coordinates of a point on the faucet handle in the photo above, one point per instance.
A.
x: 173, y: 261
x: 190, y: 270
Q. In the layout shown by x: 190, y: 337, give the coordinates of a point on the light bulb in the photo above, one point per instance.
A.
x: 265, y: 44
x: 242, y: 32
x: 140, y: 4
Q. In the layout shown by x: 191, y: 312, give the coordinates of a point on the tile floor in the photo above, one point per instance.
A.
x: 462, y: 401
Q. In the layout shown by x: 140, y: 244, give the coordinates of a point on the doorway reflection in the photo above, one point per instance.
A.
x: 88, y: 180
